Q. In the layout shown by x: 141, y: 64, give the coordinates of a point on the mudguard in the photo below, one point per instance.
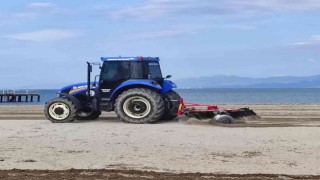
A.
x: 167, y: 86
x: 72, y: 98
x: 136, y: 82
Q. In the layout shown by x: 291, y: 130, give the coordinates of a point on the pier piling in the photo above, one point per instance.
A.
x: 12, y: 96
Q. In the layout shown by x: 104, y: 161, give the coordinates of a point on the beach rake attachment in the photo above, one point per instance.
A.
x: 205, y: 112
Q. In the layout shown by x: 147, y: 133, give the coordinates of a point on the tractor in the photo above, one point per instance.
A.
x: 133, y: 87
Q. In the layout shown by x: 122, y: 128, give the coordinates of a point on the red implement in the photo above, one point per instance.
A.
x: 205, y: 111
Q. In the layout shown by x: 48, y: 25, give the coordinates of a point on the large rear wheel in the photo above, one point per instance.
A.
x: 172, y: 102
x: 139, y: 105
x: 60, y: 110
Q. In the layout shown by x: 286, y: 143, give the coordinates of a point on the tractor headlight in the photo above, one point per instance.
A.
x: 92, y: 93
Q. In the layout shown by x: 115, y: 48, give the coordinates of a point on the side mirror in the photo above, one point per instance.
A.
x: 95, y: 80
x: 168, y: 76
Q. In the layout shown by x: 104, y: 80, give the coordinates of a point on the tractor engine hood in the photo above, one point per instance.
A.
x: 76, y: 88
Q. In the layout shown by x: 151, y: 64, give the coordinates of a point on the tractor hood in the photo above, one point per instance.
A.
x: 76, y: 88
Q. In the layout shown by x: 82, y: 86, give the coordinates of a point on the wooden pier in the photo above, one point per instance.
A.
x: 13, y: 96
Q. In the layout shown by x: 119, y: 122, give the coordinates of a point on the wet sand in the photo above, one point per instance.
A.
x: 285, y: 141
x: 273, y: 115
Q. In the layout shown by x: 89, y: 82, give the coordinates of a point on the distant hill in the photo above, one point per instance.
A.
x: 222, y: 81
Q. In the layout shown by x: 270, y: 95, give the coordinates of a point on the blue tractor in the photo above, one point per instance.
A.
x: 133, y: 87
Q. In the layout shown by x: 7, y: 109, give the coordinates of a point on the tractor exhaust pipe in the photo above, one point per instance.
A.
x: 89, y: 78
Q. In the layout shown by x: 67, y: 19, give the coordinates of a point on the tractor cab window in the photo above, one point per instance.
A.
x: 115, y: 71
x: 153, y: 70
x: 136, y: 70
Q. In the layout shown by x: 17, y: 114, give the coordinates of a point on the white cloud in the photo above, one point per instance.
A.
x: 44, y: 35
x: 235, y: 26
x: 187, y: 29
x: 314, y: 40
x: 278, y: 75
x: 312, y: 60
x: 169, y: 8
x: 39, y: 9
x: 26, y: 15
x: 302, y: 44
x: 41, y: 5
x: 177, y: 30
x: 160, y: 33
x: 276, y: 5
x: 315, y: 37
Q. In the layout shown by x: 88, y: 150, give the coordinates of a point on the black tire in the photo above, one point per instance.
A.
x: 225, y: 119
x: 139, y: 106
x: 93, y: 115
x: 60, y: 110
x: 172, y: 102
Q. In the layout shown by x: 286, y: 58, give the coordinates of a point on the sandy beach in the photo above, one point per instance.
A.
x: 285, y: 141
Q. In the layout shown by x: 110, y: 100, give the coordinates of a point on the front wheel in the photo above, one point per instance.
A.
x: 60, y: 110
x: 139, y: 105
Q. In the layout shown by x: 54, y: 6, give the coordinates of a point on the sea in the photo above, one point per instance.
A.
x: 221, y: 96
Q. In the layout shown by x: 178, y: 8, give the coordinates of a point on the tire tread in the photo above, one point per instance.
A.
x: 155, y: 101
x: 72, y: 106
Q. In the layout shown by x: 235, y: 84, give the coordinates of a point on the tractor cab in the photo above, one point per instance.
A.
x: 117, y: 70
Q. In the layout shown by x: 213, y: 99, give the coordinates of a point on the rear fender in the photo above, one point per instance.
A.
x: 167, y: 86
x: 134, y: 83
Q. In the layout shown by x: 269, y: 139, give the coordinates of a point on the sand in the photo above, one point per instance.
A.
x: 284, y: 141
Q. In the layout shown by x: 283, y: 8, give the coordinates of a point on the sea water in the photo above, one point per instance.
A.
x: 251, y: 95
x: 215, y: 96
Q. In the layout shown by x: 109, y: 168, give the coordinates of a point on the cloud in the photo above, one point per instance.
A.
x: 160, y: 33
x: 313, y: 41
x: 38, y: 9
x: 187, y: 29
x: 168, y: 8
x: 158, y: 8
x: 44, y: 35
x: 312, y: 61
x: 9, y: 43
x: 276, y: 5
x: 315, y: 37
x: 235, y: 26
x: 41, y: 5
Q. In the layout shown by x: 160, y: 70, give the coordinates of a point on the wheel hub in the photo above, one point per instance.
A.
x: 137, y: 107
x: 58, y: 110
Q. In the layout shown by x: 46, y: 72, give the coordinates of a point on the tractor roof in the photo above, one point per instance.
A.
x: 137, y: 58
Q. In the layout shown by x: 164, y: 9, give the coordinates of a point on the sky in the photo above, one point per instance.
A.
x: 45, y: 44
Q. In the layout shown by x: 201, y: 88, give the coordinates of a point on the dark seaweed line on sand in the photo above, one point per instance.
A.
x: 134, y: 174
